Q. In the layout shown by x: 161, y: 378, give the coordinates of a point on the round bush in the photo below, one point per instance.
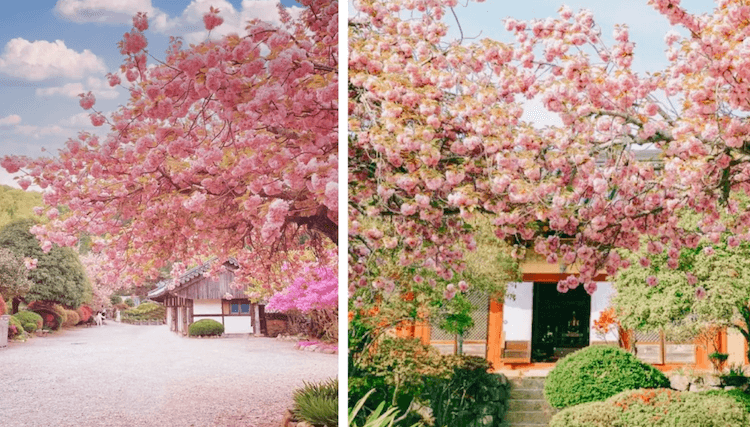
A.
x: 655, y: 408
x: 71, y: 318
x: 30, y: 327
x: 15, y: 327
x: 25, y: 316
x: 205, y: 327
x: 84, y: 313
x: 3, y: 307
x: 597, y: 373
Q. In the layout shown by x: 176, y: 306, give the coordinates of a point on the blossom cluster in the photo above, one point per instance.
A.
x: 218, y: 152
x: 437, y: 138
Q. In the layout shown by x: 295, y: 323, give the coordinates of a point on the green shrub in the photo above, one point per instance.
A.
x: 25, y: 316
x: 146, y: 311
x: 396, y: 369
x: 15, y: 327
x: 742, y: 397
x: 71, y: 318
x: 376, y: 418
x: 30, y: 327
x: 596, y: 373
x: 115, y: 299
x: 318, y: 403
x: 129, y: 302
x: 470, y: 397
x: 655, y: 408
x: 205, y: 327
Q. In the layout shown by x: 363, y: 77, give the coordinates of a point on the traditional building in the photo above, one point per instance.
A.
x: 196, y: 296
x: 535, y: 325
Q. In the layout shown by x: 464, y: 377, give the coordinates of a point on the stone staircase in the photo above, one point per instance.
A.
x: 527, y: 407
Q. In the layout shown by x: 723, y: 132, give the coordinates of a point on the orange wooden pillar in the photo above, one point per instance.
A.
x: 495, y: 334
x: 422, y: 331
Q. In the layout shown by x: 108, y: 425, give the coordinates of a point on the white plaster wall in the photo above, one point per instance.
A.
x: 517, y: 311
x: 735, y: 347
x: 599, y: 303
x: 238, y: 325
x: 207, y: 306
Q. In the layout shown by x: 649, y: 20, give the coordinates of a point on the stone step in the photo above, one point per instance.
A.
x: 527, y: 405
x: 515, y: 418
x: 517, y: 393
x: 527, y: 383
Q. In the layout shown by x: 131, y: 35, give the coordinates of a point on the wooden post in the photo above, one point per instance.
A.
x: 422, y: 331
x: 495, y: 333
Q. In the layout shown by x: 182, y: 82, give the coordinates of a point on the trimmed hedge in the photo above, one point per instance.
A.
x: 25, y: 316
x: 84, y: 313
x: 742, y: 397
x: 655, y: 408
x: 71, y: 318
x: 205, y: 327
x: 30, y: 327
x: 596, y: 373
x: 15, y: 327
x: 146, y: 311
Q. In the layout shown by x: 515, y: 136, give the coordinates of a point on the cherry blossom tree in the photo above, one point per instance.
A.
x: 225, y: 148
x: 436, y: 137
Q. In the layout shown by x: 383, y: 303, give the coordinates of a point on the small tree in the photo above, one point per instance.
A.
x: 14, y: 280
x: 58, y: 276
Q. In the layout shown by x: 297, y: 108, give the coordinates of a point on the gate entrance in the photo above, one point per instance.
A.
x: 560, y: 322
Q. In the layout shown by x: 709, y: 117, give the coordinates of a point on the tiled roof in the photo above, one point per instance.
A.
x: 189, y: 275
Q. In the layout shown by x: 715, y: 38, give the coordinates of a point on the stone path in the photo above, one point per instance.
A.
x: 127, y: 375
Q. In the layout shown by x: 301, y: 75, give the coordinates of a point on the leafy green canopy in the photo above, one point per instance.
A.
x: 58, y: 276
x: 690, y: 287
x: 17, y: 204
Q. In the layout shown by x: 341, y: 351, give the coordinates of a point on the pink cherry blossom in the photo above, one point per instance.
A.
x: 87, y: 100
x: 212, y: 19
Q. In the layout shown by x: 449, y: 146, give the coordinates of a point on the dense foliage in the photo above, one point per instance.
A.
x: 471, y: 396
x: 205, y: 327
x: 317, y: 403
x: 26, y: 316
x: 17, y: 204
x: 596, y: 373
x: 148, y: 310
x: 741, y: 396
x: 656, y: 408
x: 403, y: 374
x: 58, y: 276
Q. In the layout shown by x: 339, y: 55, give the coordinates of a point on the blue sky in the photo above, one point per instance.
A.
x: 51, y: 51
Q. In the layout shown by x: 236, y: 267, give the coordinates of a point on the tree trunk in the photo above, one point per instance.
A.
x: 459, y: 344
x: 15, y: 304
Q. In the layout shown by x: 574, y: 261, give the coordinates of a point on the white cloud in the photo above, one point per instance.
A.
x: 98, y: 87
x: 40, y: 60
x: 7, y: 179
x: 104, y: 11
x: 38, y: 132
x: 190, y: 25
x: 77, y: 121
x: 11, y: 120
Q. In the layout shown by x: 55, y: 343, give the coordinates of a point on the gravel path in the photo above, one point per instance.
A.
x: 127, y: 375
